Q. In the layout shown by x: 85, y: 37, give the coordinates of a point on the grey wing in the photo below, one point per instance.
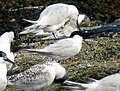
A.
x: 37, y: 51
x: 61, y: 48
x: 64, y: 47
x: 111, y: 80
x: 31, y: 77
x: 54, y: 15
x: 103, y: 88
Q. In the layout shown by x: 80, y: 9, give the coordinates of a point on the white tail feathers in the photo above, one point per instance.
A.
x: 42, y: 33
x: 89, y: 85
x: 31, y: 29
x: 29, y: 51
x: 30, y: 21
x: 36, y: 51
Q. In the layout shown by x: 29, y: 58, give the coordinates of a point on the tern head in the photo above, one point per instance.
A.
x: 83, y: 34
x: 3, y: 55
x: 83, y: 20
x: 82, y: 37
x: 15, y: 34
x: 9, y: 34
x: 77, y: 33
x: 60, y: 71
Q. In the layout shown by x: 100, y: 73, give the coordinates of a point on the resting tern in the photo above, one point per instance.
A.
x: 38, y: 77
x: 3, y: 70
x: 60, y: 19
x: 109, y: 83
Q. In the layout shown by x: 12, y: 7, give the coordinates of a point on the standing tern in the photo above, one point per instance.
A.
x: 62, y: 18
x: 6, y: 39
x: 65, y: 48
x: 3, y: 70
x: 62, y: 49
x: 38, y: 77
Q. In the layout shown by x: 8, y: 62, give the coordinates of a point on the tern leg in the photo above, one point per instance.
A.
x: 86, y: 44
x: 54, y: 35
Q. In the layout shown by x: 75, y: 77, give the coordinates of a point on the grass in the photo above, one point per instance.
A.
x: 102, y: 58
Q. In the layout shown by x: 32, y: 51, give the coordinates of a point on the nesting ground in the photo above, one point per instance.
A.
x: 100, y: 59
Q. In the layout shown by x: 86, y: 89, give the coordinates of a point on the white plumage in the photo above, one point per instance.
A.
x: 62, y: 49
x: 109, y: 83
x: 42, y: 33
x: 38, y: 77
x: 5, y: 43
x: 12, y: 58
x: 83, y: 19
x: 3, y: 70
x: 61, y: 19
x: 3, y: 73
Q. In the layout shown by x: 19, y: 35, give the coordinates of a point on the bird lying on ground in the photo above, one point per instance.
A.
x: 109, y: 83
x: 38, y: 77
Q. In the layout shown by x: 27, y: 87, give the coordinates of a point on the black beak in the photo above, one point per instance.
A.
x: 8, y: 60
x: 60, y: 80
x: 3, y: 55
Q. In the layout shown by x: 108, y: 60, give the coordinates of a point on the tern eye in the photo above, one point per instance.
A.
x: 2, y: 54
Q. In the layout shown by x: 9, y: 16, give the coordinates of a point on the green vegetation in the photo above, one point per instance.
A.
x: 102, y: 58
